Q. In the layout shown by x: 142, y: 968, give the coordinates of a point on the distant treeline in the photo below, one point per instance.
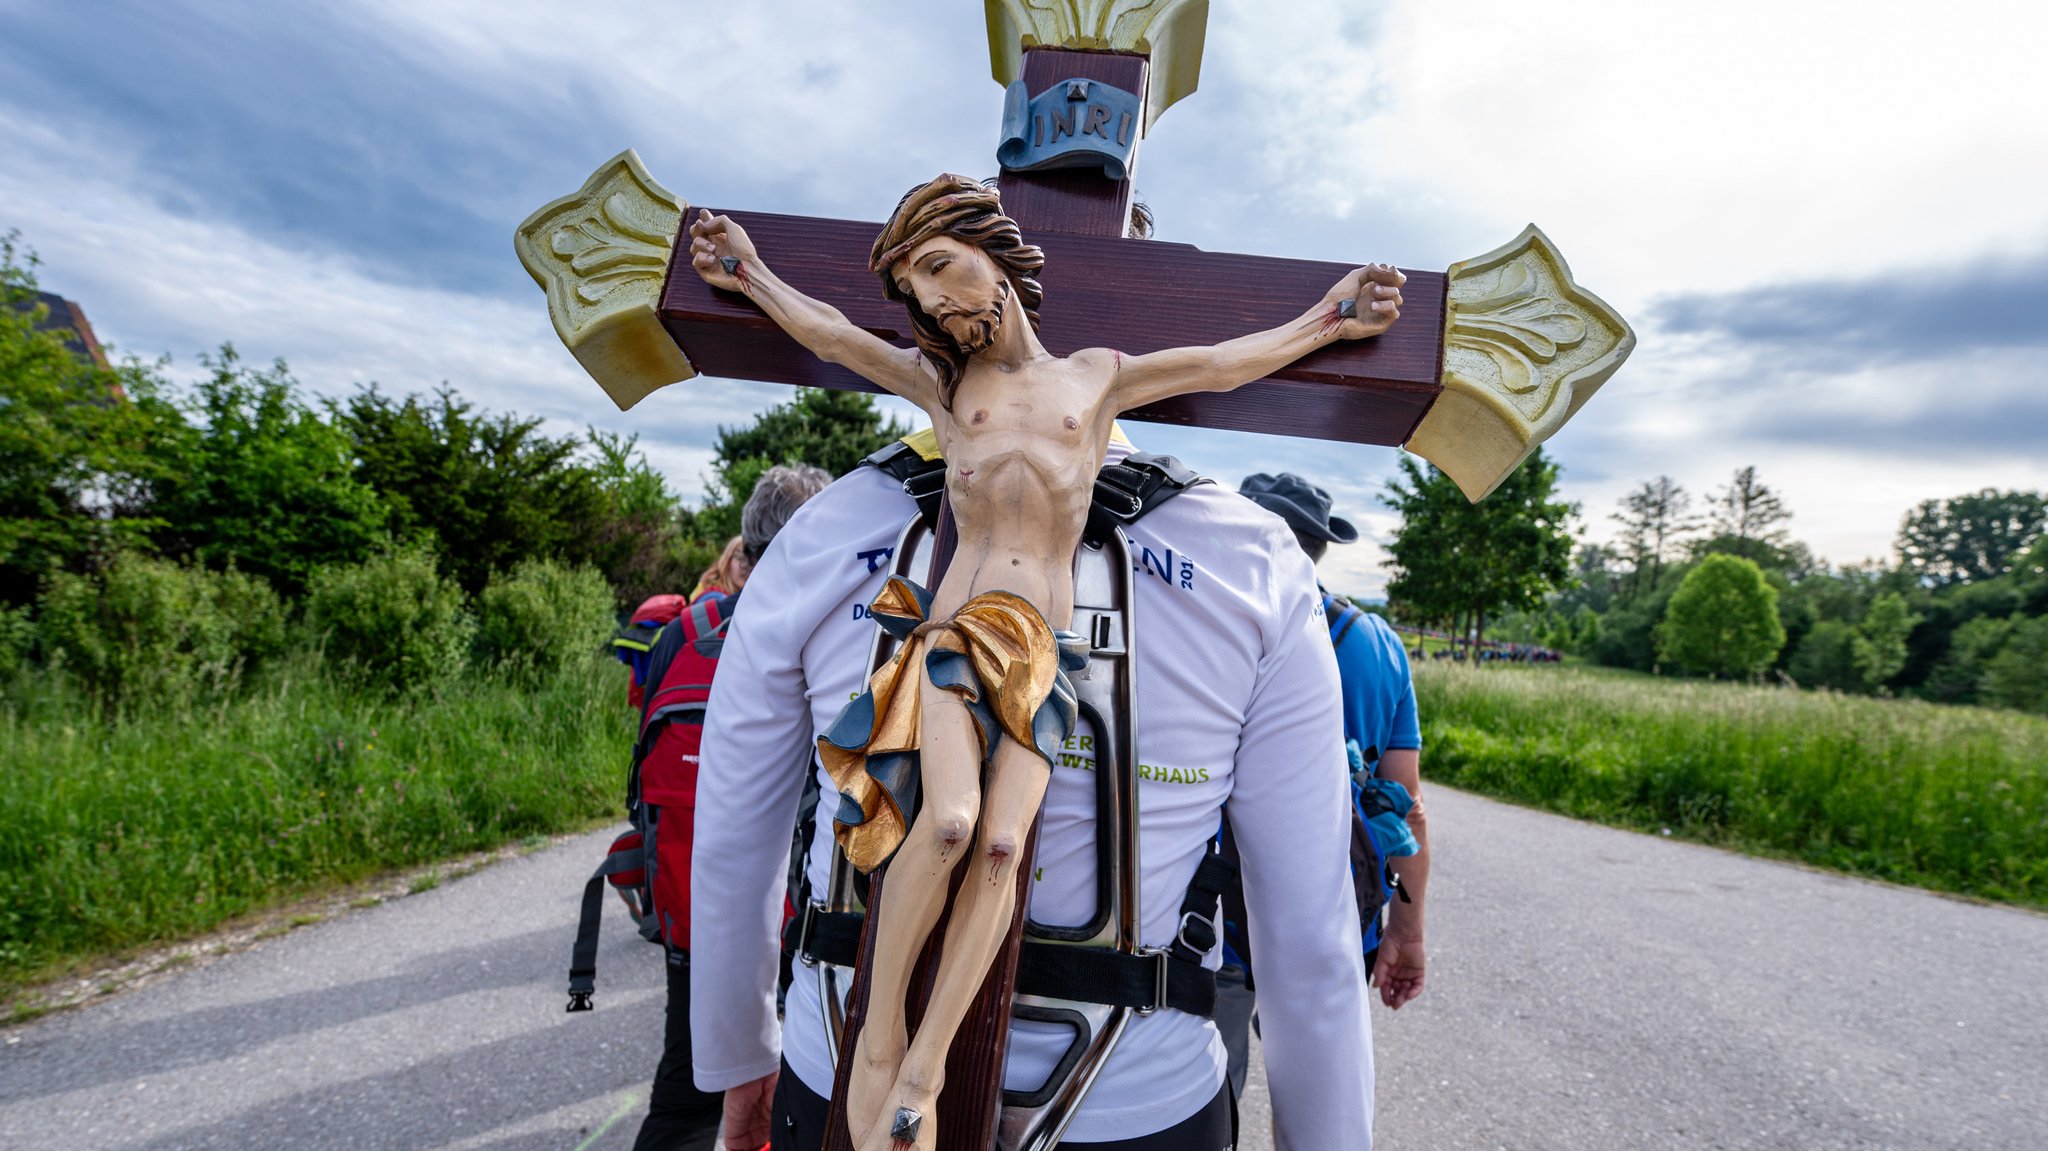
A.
x: 1959, y: 613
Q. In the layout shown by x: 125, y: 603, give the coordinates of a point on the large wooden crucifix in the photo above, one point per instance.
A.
x: 1492, y: 357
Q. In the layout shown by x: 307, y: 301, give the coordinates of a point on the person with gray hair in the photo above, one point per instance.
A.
x: 679, y: 1116
x: 777, y: 494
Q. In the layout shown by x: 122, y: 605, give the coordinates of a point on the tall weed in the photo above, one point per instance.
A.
x: 122, y: 829
x: 1952, y: 798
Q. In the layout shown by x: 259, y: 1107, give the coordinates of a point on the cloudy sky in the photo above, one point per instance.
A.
x: 1827, y: 221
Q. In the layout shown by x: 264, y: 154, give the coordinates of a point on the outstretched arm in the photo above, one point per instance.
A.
x: 824, y: 329
x: 1363, y: 303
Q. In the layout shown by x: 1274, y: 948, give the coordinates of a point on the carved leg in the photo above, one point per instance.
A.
x: 981, y: 918
x: 919, y: 875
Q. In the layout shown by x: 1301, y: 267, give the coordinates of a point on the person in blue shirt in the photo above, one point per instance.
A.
x: 1379, y: 724
x: 1379, y: 717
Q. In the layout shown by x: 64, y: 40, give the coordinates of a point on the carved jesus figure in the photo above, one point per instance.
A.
x: 958, y: 729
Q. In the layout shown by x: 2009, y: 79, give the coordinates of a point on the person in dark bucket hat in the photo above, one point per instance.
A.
x: 1304, y: 506
x: 1385, y: 739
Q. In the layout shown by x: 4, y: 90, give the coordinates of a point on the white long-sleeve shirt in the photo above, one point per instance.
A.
x: 1237, y: 701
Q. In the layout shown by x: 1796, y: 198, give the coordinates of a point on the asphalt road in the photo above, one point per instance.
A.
x: 1588, y: 989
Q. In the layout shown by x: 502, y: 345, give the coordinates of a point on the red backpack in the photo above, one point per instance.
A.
x: 650, y: 864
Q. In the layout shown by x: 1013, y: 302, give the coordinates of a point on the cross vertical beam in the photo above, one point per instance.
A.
x: 1074, y: 200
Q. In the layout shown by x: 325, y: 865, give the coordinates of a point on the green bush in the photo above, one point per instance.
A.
x: 391, y: 621
x: 541, y: 615
x: 149, y: 629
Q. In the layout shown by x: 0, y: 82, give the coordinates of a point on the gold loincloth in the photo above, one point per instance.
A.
x: 996, y: 653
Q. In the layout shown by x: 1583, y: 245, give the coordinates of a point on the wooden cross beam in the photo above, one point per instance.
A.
x: 1490, y: 358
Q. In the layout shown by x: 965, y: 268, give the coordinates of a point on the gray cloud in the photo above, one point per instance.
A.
x: 1903, y: 315
x: 302, y: 127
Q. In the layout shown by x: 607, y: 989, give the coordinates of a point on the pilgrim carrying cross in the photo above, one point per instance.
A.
x: 1489, y: 359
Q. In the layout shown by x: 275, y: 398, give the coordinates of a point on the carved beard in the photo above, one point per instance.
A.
x: 982, y: 326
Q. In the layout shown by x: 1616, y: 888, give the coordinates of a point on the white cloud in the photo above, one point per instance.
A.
x: 1668, y: 149
x: 154, y: 283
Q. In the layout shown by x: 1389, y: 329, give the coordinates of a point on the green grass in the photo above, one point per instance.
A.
x: 119, y: 831
x: 1950, y: 798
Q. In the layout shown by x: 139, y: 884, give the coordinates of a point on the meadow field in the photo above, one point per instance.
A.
x: 118, y: 830
x: 1949, y: 798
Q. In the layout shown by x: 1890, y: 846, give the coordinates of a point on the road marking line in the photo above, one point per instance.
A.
x: 632, y: 1100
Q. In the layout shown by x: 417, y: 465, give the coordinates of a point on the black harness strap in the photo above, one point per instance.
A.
x: 1133, y: 486
x: 1173, y: 978
x: 923, y: 480
x: 1124, y: 491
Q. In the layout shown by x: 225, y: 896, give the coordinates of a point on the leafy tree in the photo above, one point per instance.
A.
x: 80, y: 445
x: 1596, y: 580
x: 1831, y: 655
x: 265, y: 483
x: 641, y: 546
x: 1884, y: 629
x: 829, y: 429
x: 2018, y: 675
x: 1970, y: 537
x: 1653, y: 518
x: 1460, y: 561
x: 1959, y: 676
x: 2030, y: 578
x: 484, y: 491
x: 1747, y: 510
x: 1723, y: 620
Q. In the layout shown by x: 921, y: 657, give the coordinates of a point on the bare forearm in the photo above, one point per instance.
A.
x: 815, y: 324
x: 1404, y: 766
x: 1254, y: 357
x: 1222, y: 367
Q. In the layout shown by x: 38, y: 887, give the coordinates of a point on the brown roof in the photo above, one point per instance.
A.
x: 65, y: 316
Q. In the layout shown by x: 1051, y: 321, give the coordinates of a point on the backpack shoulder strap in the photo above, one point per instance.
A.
x: 707, y: 627
x: 923, y: 480
x: 1128, y: 489
x: 1348, y: 613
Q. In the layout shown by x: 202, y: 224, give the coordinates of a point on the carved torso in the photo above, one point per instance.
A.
x: 1022, y: 449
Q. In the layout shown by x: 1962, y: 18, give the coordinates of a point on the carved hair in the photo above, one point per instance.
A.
x: 967, y: 211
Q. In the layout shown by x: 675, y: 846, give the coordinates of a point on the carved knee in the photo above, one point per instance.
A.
x: 949, y: 831
x: 1001, y: 853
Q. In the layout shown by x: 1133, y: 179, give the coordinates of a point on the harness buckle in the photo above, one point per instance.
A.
x: 1160, y: 958
x: 803, y: 934
x: 1201, y: 943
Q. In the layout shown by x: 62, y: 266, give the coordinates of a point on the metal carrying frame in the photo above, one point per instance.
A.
x: 1104, y: 592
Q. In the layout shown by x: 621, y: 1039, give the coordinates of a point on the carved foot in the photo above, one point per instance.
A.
x: 910, y: 1123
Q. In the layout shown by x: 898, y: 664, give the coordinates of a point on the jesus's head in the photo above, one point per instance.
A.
x: 955, y: 261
